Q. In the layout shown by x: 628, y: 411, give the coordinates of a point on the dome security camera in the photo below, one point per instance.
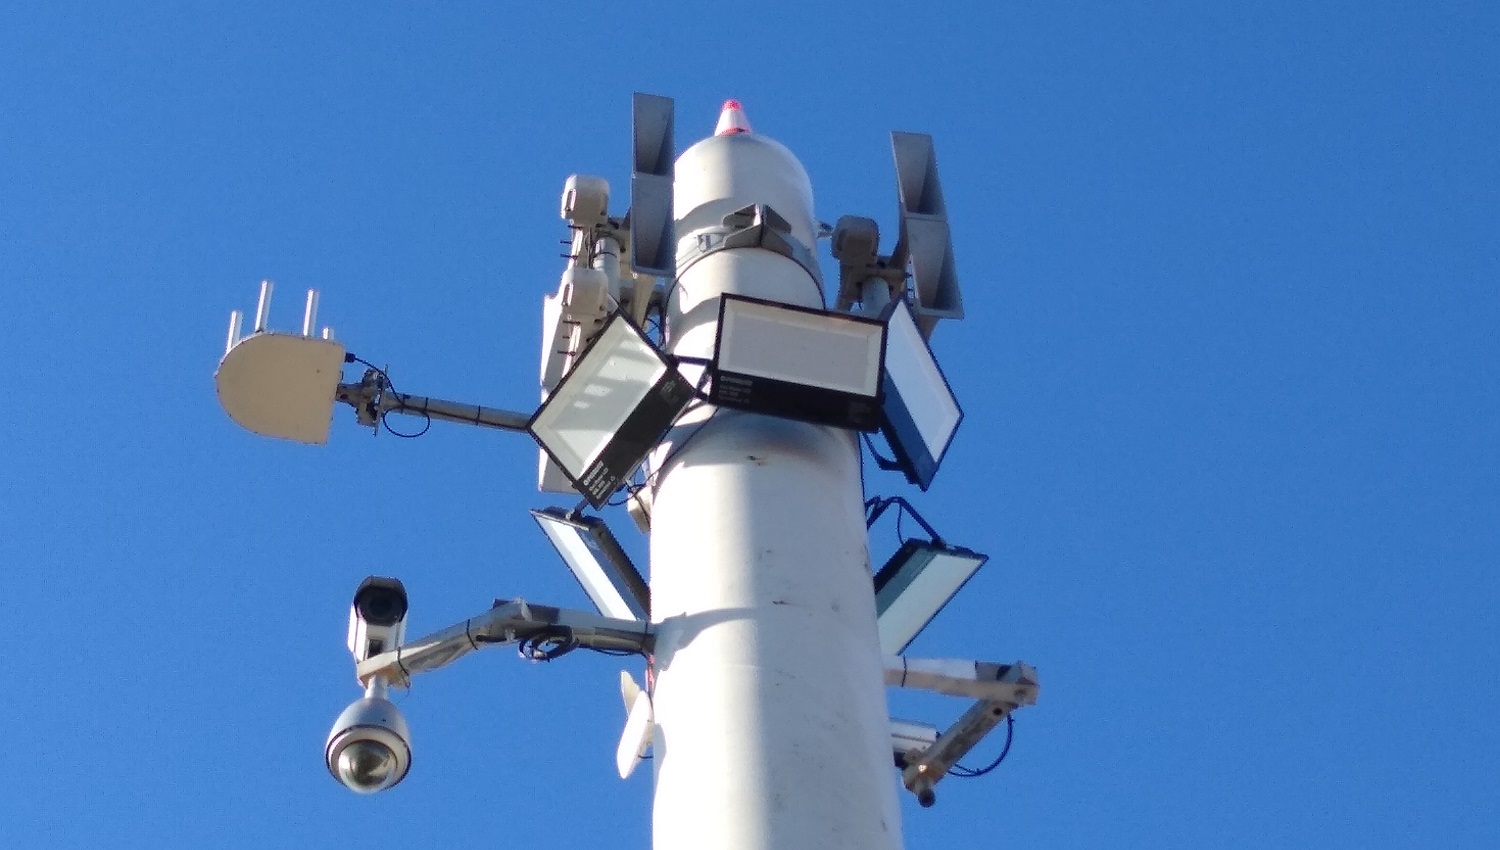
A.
x: 369, y: 748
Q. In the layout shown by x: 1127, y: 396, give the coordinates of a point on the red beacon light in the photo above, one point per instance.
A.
x: 732, y: 120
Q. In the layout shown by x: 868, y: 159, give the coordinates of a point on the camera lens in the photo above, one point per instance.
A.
x: 381, y: 602
x: 366, y: 767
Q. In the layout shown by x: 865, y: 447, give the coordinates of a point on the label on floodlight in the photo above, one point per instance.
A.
x: 637, y: 435
x: 608, y: 412
x: 798, y: 363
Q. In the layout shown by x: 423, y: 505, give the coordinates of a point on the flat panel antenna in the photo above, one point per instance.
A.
x: 925, y: 239
x: 653, y: 248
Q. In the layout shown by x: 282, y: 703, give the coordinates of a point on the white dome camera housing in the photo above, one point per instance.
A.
x: 369, y: 749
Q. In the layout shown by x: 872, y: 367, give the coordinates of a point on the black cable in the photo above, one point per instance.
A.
x: 426, y: 424
x: 666, y: 299
x: 547, y: 645
x: 616, y: 653
x: 387, y: 384
x: 881, y: 461
x: 661, y: 322
x: 970, y: 773
x: 630, y: 490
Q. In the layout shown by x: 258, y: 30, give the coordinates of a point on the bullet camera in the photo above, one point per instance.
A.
x: 369, y: 748
x: 377, y: 618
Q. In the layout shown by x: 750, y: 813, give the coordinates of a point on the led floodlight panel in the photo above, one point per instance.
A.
x: 798, y: 363
x: 919, y: 412
x: 610, y: 410
x: 913, y: 587
x: 597, y: 561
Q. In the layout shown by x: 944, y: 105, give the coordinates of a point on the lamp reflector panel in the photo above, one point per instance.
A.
x: 920, y: 414
x: 595, y: 558
x: 798, y: 363
x: 913, y: 587
x: 610, y: 410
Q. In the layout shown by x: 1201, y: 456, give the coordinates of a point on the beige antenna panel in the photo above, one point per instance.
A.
x: 279, y: 384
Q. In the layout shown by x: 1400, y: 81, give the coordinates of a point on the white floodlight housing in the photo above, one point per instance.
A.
x: 595, y: 558
x: 798, y: 363
x: 377, y: 617
x: 914, y: 585
x: 919, y: 413
x: 369, y: 747
x: 610, y: 410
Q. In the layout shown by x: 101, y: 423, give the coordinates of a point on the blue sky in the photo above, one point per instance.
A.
x: 1229, y: 370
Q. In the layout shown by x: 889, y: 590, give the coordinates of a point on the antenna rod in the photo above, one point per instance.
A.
x: 263, y: 309
x: 235, y: 318
x: 310, y: 313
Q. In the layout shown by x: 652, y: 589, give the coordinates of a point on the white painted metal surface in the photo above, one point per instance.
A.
x: 771, y: 728
x: 635, y: 740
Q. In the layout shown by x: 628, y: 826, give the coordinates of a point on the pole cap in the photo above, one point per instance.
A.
x: 732, y: 120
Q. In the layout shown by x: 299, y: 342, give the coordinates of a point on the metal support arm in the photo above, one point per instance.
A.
x: 925, y: 768
x: 373, y: 397
x: 509, y: 621
x: 1015, y: 683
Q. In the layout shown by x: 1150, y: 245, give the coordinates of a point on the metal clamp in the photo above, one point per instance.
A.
x: 755, y: 226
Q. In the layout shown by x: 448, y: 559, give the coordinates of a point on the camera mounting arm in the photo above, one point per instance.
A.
x: 983, y: 680
x: 921, y: 769
x: 509, y: 621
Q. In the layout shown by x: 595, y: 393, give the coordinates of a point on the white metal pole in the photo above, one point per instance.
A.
x: 771, y: 723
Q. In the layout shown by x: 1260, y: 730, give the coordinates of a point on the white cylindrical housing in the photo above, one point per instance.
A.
x: 874, y: 294
x: 607, y: 260
x: 722, y: 174
x: 771, y: 723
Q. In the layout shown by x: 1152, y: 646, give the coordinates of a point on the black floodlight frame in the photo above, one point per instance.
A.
x: 895, y: 578
x: 614, y: 566
x: 636, y: 436
x: 914, y: 457
x: 787, y: 399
